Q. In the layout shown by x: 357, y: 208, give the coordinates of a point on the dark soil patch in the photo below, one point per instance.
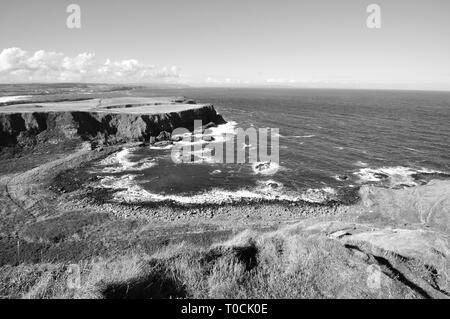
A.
x: 246, y: 255
x: 158, y: 284
x: 16, y: 251
x: 71, y: 180
x: 59, y: 228
x: 201, y: 239
x: 98, y: 195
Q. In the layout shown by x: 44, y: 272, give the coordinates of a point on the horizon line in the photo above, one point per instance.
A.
x: 165, y: 85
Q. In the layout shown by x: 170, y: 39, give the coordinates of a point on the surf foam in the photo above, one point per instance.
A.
x: 265, y: 168
x: 5, y: 99
x: 392, y: 176
x: 129, y: 191
x: 120, y: 162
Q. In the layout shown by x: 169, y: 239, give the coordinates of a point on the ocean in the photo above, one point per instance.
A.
x: 330, y: 142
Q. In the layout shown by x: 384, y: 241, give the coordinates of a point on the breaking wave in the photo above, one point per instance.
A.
x: 131, y: 192
x: 120, y: 162
x: 227, y: 128
x: 265, y: 168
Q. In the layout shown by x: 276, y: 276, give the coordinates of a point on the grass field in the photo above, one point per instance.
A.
x: 281, y: 264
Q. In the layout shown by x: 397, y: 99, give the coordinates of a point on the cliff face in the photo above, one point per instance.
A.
x: 32, y: 127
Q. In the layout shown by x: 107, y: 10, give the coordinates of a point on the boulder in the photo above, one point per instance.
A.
x: 208, y: 138
x: 262, y: 166
x: 176, y: 138
x: 163, y: 136
x: 219, y: 120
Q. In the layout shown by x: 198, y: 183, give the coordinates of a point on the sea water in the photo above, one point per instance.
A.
x: 329, y: 141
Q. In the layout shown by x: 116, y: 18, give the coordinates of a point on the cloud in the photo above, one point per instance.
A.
x: 17, y: 65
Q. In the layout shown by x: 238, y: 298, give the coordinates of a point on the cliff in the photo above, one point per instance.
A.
x: 109, y: 122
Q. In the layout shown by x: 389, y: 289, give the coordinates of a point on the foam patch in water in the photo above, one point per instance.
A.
x: 361, y: 164
x: 120, y: 162
x: 392, y: 176
x: 227, y: 128
x: 265, y: 168
x: 131, y: 192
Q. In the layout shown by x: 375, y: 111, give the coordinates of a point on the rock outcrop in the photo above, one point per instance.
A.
x: 415, y: 258
x: 23, y: 128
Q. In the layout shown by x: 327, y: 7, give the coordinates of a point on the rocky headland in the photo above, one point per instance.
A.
x: 103, y: 121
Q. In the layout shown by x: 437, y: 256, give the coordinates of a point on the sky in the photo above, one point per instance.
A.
x: 314, y: 43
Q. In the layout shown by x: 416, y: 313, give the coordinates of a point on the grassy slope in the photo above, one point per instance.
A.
x: 288, y: 263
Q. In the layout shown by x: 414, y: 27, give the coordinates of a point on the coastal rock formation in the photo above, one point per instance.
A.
x: 426, y: 206
x: 163, y: 136
x: 105, y: 125
x: 417, y: 258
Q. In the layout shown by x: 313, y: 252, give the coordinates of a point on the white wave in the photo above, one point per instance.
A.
x: 196, y: 156
x: 341, y: 178
x: 361, y: 164
x: 117, y: 182
x: 220, y: 134
x: 265, y: 168
x: 413, y: 150
x: 298, y: 136
x: 227, y: 128
x: 167, y: 147
x: 131, y: 192
x: 120, y: 162
x: 4, y: 99
x: 203, y: 160
x: 391, y: 176
x: 120, y: 157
